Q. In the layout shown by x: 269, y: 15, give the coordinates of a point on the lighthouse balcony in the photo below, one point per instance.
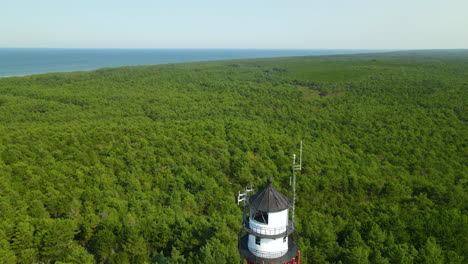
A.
x: 265, y: 231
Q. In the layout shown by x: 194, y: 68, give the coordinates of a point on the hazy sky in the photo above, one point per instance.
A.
x: 287, y: 24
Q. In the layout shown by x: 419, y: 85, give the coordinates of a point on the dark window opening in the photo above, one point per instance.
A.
x: 257, y: 240
x: 284, y: 239
x: 261, y: 217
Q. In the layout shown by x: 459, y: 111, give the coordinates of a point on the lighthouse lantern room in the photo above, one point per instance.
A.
x: 267, y: 229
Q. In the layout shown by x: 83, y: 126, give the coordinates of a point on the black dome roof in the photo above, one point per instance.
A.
x: 269, y: 199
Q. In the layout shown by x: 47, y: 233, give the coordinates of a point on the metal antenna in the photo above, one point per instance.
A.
x: 300, y: 156
x: 294, y: 169
x: 242, y: 197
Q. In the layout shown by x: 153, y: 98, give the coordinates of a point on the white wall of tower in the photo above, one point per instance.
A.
x: 278, y: 219
x: 269, y: 247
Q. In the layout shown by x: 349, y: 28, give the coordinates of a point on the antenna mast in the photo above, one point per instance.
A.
x: 242, y: 197
x: 295, y: 167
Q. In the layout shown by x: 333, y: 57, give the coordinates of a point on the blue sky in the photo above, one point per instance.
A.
x: 286, y: 24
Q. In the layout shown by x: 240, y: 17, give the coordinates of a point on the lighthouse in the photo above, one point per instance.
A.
x: 267, y: 228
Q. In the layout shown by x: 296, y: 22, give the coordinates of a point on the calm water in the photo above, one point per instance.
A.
x: 22, y: 61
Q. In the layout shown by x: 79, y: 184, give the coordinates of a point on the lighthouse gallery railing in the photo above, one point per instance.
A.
x: 252, y: 227
x: 268, y: 254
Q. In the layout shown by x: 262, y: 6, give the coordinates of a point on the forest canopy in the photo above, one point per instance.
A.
x: 143, y: 164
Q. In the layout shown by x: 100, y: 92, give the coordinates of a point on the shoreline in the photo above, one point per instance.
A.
x: 10, y: 76
x: 72, y: 60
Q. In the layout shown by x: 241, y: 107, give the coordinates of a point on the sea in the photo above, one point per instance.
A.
x: 27, y: 61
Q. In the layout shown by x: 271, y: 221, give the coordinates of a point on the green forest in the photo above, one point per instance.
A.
x: 143, y: 164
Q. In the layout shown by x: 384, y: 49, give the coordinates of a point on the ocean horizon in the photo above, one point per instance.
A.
x: 29, y: 61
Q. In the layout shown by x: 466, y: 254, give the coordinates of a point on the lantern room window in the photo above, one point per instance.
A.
x: 261, y: 217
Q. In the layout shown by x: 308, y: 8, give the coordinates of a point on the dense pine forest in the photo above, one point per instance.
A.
x: 143, y: 164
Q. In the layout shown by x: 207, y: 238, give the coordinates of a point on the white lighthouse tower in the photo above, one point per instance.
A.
x: 268, y: 229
